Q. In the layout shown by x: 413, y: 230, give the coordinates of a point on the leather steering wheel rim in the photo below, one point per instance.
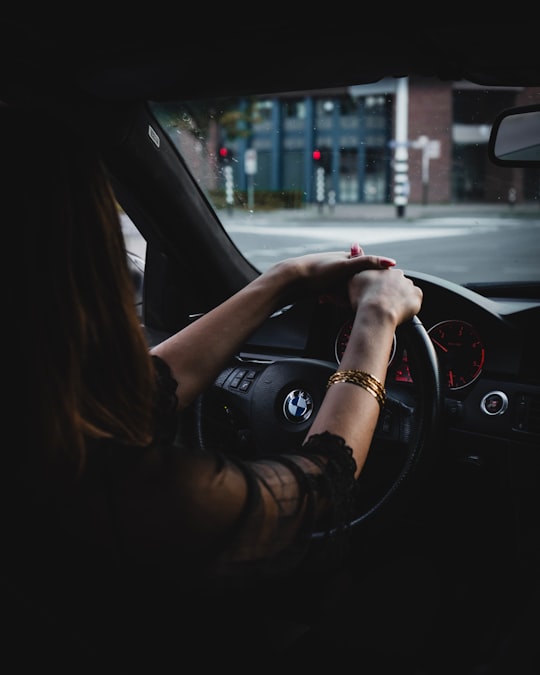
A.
x: 426, y: 420
x: 275, y: 402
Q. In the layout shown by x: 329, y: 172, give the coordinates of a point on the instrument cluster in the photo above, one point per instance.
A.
x: 458, y: 344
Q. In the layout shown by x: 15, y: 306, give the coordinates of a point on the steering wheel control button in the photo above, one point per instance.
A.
x: 241, y: 379
x: 494, y: 403
x: 298, y: 406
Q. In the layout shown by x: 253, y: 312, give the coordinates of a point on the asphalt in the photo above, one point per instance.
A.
x: 348, y: 214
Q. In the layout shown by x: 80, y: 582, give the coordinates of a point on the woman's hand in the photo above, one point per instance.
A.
x: 387, y: 292
x: 328, y: 272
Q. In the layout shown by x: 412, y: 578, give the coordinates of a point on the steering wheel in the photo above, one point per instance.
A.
x: 260, y: 407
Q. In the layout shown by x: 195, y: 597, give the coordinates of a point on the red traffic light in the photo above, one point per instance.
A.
x: 316, y: 155
x: 224, y: 152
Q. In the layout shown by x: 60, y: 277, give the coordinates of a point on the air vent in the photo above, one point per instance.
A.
x: 528, y: 413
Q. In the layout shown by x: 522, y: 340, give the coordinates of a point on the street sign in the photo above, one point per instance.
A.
x: 250, y: 161
x: 433, y: 149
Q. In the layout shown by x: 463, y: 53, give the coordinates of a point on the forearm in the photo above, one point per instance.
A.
x: 348, y: 409
x: 197, y: 353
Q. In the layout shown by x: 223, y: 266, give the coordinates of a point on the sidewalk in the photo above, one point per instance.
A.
x: 346, y: 212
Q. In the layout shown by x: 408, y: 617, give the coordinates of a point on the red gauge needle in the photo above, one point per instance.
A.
x: 439, y: 345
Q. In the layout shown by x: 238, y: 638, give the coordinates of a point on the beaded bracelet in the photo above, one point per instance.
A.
x: 362, y: 379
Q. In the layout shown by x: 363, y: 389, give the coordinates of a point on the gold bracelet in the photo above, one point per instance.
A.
x: 362, y: 379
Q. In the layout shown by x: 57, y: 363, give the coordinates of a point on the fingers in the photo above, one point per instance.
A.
x: 371, y: 261
x: 383, y: 261
x: 367, y: 262
x: 356, y: 250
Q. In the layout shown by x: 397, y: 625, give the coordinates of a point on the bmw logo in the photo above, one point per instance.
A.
x: 298, y: 406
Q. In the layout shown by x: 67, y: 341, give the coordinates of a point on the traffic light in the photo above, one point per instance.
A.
x: 224, y: 155
x: 316, y: 155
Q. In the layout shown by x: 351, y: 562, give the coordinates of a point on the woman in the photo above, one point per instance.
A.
x: 113, y: 512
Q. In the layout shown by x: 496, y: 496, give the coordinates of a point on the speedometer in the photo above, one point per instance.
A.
x: 460, y: 351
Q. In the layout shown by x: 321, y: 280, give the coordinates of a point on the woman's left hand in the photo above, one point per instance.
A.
x: 329, y: 272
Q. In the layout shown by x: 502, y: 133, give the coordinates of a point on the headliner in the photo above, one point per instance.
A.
x: 132, y: 59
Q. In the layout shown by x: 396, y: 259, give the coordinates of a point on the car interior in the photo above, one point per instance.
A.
x: 455, y: 478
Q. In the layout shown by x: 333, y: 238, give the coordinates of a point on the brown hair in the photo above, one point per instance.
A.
x: 90, y: 373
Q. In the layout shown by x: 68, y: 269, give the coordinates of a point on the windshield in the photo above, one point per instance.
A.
x: 399, y: 166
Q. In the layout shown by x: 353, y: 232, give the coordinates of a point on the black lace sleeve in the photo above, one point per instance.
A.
x: 261, y: 513
x: 336, y: 482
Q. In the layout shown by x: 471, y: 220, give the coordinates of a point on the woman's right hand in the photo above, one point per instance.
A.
x: 386, y: 291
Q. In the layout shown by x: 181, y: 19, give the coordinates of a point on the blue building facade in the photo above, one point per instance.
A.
x: 334, y: 143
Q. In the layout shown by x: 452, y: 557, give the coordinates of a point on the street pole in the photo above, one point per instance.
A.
x: 423, y: 143
x: 229, y: 188
x: 401, y: 154
x: 250, y: 168
x: 320, y: 187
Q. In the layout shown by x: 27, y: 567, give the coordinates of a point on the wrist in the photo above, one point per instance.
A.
x: 377, y: 316
x: 278, y: 281
x: 286, y: 277
x: 370, y: 342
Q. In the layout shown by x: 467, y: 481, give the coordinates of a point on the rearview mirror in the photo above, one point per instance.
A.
x: 515, y: 137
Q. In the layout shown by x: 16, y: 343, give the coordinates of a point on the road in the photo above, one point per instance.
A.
x: 461, y: 244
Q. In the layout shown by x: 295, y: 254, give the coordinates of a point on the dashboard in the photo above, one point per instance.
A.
x: 486, y: 347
